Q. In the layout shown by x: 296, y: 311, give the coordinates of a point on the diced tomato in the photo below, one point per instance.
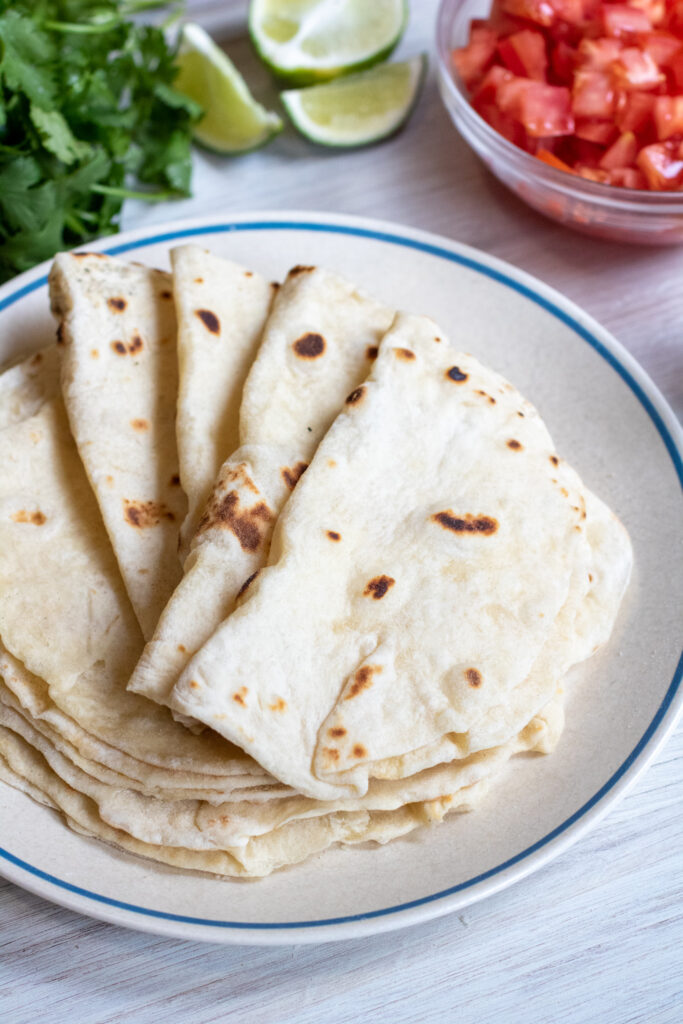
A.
x: 661, y: 46
x: 668, y: 116
x: 592, y: 173
x: 563, y: 60
x: 593, y: 95
x: 599, y: 54
x: 621, y: 153
x: 474, y: 59
x: 662, y: 167
x: 635, y: 70
x: 603, y: 132
x: 524, y: 54
x: 634, y: 111
x: 627, y: 177
x: 552, y: 161
x: 543, y: 110
x: 623, y: 20
x: 591, y: 87
x: 546, y: 12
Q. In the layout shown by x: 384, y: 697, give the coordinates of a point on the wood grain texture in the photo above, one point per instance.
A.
x: 596, y: 936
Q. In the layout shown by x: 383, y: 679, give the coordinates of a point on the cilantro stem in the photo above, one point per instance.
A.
x: 127, y: 193
x: 84, y: 29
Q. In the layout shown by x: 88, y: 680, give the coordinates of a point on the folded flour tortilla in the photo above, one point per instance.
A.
x: 221, y: 310
x: 119, y: 378
x: 318, y: 343
x: 415, y: 578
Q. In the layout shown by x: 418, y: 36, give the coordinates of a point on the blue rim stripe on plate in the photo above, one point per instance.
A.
x: 602, y: 350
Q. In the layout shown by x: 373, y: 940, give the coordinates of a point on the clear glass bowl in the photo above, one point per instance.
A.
x: 624, y: 214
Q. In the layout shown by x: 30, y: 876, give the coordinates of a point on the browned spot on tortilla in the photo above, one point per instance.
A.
x: 467, y: 523
x: 372, y: 351
x: 210, y: 320
x: 333, y: 535
x: 337, y: 731
x: 355, y: 396
x: 578, y: 529
x: 110, y: 480
x: 119, y: 347
x: 37, y: 359
x: 404, y: 354
x: 36, y: 518
x: 377, y: 587
x: 359, y: 750
x: 362, y: 680
x: 136, y: 345
x: 199, y: 280
x: 300, y: 269
x: 117, y: 304
x: 166, y: 294
x: 175, y: 480
x: 564, y: 492
x: 143, y: 514
x: 240, y: 695
x: 292, y: 474
x: 248, y: 273
x: 309, y: 345
x: 275, y: 285
x: 278, y: 705
x: 456, y: 374
x: 590, y: 577
x: 194, y: 685
x: 485, y: 394
x: 247, y: 583
x: 245, y: 523
x: 331, y: 463
x: 238, y: 474
x: 94, y: 353
x: 554, y: 459
x: 520, y: 414
x: 60, y: 332
x: 182, y: 648
x: 139, y: 424
x: 473, y: 677
x: 515, y: 445
x: 331, y: 753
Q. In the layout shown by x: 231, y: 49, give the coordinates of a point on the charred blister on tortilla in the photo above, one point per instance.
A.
x: 292, y: 474
x: 210, y: 320
x: 309, y: 345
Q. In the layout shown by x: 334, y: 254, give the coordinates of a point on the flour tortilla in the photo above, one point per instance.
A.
x: 221, y: 309
x: 28, y: 385
x: 318, y: 344
x: 198, y: 825
x: 65, y: 617
x: 23, y: 767
x: 414, y: 578
x: 119, y: 381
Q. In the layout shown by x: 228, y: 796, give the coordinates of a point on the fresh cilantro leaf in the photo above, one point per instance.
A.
x: 57, y: 137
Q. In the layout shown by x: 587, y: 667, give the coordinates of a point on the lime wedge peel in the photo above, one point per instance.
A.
x: 359, y: 109
x: 305, y: 42
x: 233, y: 121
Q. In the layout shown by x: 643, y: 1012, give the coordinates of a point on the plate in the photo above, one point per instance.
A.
x: 614, y: 427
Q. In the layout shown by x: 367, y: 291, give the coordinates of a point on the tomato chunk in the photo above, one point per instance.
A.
x: 524, y: 54
x: 622, y: 20
x: 621, y: 153
x: 662, y: 168
x: 474, y: 59
x: 543, y: 110
x: 635, y: 69
x: 668, y: 116
x: 593, y: 95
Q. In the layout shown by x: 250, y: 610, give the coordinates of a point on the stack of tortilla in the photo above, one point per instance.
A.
x: 279, y: 567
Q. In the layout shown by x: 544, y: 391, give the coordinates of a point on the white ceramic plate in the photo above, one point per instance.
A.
x: 609, y: 420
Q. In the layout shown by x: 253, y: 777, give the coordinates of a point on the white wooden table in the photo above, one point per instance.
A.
x: 594, y: 938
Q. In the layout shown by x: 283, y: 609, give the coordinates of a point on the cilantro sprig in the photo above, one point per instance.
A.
x: 88, y: 117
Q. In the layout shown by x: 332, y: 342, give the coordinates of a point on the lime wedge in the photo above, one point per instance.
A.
x: 233, y: 121
x: 309, y: 41
x: 358, y: 109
